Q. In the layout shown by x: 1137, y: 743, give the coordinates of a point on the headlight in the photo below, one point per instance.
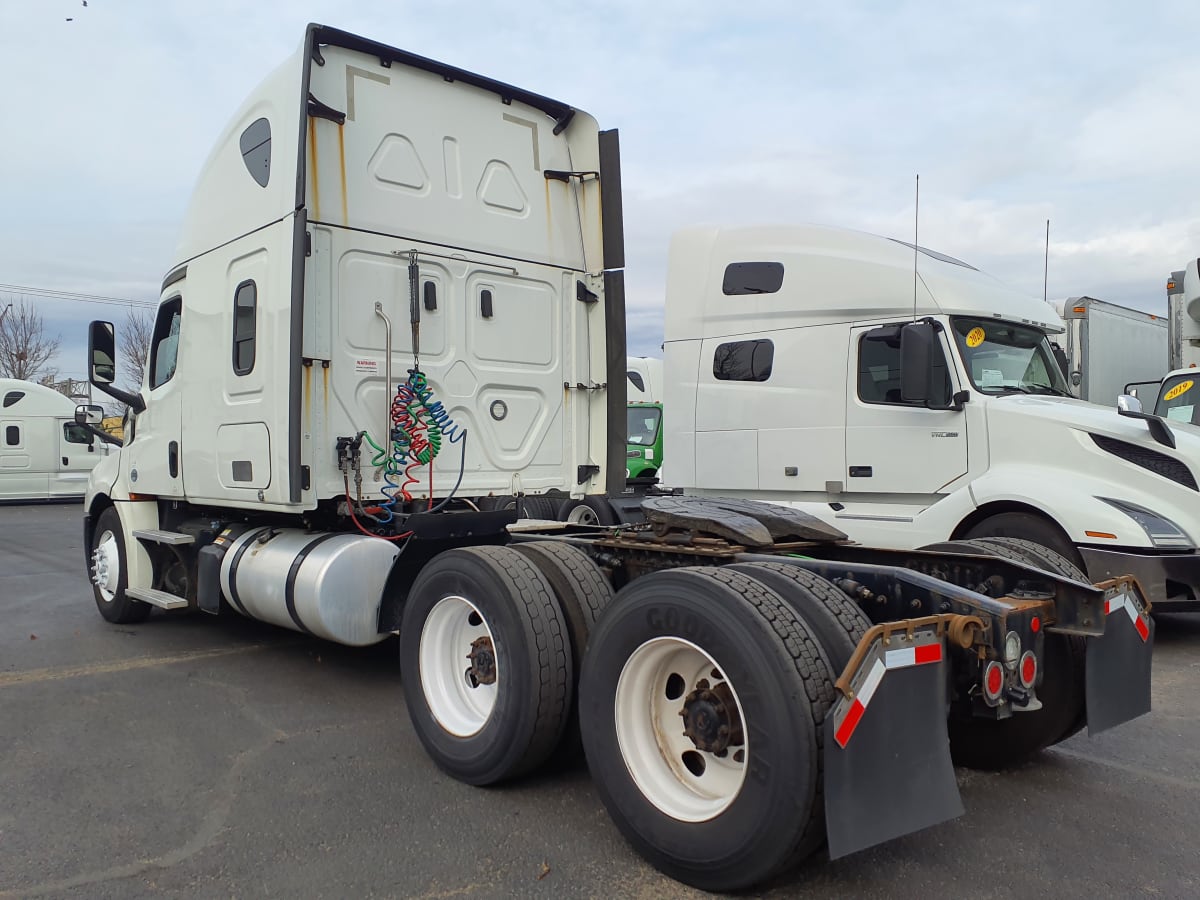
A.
x: 1012, y: 650
x: 1161, y: 530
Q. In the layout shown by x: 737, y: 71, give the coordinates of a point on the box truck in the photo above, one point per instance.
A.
x: 385, y: 248
x: 1108, y: 346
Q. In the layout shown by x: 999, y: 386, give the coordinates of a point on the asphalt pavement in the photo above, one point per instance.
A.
x: 206, y: 756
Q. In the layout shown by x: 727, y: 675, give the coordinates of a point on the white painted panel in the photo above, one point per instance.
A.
x: 244, y: 455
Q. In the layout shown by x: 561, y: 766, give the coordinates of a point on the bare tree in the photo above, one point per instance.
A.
x: 25, y: 347
x: 139, y: 328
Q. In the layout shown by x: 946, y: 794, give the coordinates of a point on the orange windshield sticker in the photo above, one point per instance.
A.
x: 1179, y: 390
x: 975, y: 337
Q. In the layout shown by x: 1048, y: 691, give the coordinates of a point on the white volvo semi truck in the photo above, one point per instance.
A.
x: 908, y: 399
x: 399, y: 287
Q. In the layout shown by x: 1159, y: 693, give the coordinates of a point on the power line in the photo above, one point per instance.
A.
x: 78, y: 298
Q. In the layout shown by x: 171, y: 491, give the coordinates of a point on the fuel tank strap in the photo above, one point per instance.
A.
x: 289, y: 589
x: 234, y: 598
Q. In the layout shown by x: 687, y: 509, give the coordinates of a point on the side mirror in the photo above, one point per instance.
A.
x: 89, y: 414
x: 1129, y: 403
x: 916, y: 361
x: 102, y: 353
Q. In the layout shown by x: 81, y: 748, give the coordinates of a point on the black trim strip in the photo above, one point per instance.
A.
x: 321, y: 34
x: 289, y: 588
x: 616, y: 365
x: 295, y: 362
x: 234, y: 598
x: 612, y: 213
x: 202, y: 253
x: 175, y: 275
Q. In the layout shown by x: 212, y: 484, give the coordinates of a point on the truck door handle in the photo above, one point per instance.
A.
x: 861, y: 472
x: 173, y: 458
x: 65, y: 461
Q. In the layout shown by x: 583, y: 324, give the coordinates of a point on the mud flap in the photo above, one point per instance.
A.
x: 1118, y: 664
x: 887, y: 752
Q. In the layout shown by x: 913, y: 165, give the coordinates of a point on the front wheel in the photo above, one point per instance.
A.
x: 108, y: 568
x: 701, y: 702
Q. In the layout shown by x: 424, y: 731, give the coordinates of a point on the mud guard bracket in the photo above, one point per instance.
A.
x: 887, y: 750
x: 1118, y: 663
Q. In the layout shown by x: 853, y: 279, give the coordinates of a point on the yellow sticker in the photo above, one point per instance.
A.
x: 1179, y: 390
x: 975, y: 336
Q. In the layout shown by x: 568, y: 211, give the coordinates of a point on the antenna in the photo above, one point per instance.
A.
x: 1046, y: 267
x: 916, y: 243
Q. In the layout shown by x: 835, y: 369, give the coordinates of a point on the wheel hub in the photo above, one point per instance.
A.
x: 483, y: 662
x: 710, y: 718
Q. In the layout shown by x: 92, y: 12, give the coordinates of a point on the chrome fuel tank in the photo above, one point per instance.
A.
x: 325, y: 584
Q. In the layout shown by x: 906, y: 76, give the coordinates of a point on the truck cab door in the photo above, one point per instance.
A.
x: 155, y: 453
x: 894, y: 447
x: 78, y: 452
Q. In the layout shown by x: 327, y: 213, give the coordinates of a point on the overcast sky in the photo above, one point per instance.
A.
x: 1084, y: 113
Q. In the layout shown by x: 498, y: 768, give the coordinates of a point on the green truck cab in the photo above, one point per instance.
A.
x: 644, y: 450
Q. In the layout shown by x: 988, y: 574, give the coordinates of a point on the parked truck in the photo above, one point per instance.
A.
x: 1107, y: 346
x: 811, y: 396
x: 1171, y: 396
x: 44, y: 454
x: 381, y: 239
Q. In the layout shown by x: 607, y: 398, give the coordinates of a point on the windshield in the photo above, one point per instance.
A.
x: 1003, y: 358
x: 1178, y: 399
x: 643, y: 424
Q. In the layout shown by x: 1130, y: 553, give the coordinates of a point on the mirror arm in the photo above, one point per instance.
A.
x: 105, y: 436
x: 133, y: 400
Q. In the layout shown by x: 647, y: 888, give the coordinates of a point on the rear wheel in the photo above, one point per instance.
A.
x: 992, y: 744
x: 701, y: 703
x: 486, y: 663
x: 109, y: 572
x: 583, y: 593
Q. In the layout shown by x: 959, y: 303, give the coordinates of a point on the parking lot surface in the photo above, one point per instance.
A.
x: 210, y: 756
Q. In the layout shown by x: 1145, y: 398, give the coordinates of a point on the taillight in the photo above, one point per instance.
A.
x: 1028, y: 669
x: 993, y: 680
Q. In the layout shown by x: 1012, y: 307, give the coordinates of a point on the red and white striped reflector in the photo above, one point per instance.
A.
x: 1130, y: 605
x: 891, y: 659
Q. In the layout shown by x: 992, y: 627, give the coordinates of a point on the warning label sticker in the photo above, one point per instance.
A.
x: 367, y: 366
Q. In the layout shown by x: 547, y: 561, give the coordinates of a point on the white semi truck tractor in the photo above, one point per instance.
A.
x: 398, y: 287
x: 909, y: 399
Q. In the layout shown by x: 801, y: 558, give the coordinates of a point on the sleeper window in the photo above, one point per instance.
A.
x: 245, y: 306
x: 743, y: 361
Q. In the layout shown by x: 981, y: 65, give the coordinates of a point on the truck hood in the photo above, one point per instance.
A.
x: 1104, y: 420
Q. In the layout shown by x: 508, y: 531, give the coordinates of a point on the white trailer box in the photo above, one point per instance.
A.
x: 43, y: 454
x: 1109, y: 346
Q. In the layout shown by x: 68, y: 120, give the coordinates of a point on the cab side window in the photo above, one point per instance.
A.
x: 879, y: 369
x: 164, y: 346
x: 245, y: 306
x: 77, y: 434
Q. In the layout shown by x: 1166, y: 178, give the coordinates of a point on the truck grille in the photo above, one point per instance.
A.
x: 1158, y: 463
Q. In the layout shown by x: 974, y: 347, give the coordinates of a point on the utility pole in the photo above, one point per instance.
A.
x: 4, y: 313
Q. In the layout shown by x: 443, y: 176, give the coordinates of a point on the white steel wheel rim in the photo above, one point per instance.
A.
x: 106, y: 566
x: 450, y: 630
x: 660, y: 758
x: 583, y: 515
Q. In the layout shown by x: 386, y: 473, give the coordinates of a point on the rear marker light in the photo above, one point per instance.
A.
x: 1036, y: 624
x: 892, y: 659
x: 1028, y: 670
x: 993, y: 680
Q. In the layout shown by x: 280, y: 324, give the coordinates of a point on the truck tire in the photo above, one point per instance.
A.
x: 836, y: 620
x: 991, y: 744
x: 497, y: 501
x: 583, y: 593
x: 1028, y: 527
x: 728, y: 655
x: 486, y: 663
x: 591, y: 510
x: 109, y: 572
x: 540, y: 507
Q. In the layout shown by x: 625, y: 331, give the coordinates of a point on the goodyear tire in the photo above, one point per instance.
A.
x: 583, y: 593
x: 721, y: 810
x: 992, y: 744
x: 1030, y: 528
x: 486, y: 663
x: 109, y: 572
x: 836, y: 620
